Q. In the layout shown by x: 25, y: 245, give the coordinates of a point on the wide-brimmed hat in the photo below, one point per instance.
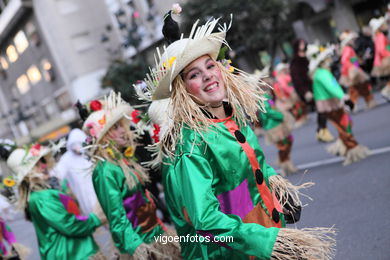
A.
x: 316, y: 59
x: 376, y: 23
x: 179, y: 54
x: 281, y: 66
x: 104, y: 113
x: 346, y: 37
x: 22, y: 161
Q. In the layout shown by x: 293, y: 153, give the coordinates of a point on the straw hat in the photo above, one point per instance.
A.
x: 320, y: 57
x: 376, y: 23
x: 22, y: 161
x: 179, y: 54
x: 104, y: 113
x: 346, y: 37
x: 281, y: 66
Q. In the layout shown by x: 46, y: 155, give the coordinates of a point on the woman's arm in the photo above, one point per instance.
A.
x: 195, y: 177
x: 107, y: 189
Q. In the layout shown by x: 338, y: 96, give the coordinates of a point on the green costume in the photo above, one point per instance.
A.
x: 325, y: 85
x: 272, y: 118
x: 61, y: 234
x: 131, y: 213
x: 210, y: 189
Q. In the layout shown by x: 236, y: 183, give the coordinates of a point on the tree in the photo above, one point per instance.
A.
x: 121, y: 75
x: 257, y: 24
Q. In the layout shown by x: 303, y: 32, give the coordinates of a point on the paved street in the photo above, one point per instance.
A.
x: 353, y: 198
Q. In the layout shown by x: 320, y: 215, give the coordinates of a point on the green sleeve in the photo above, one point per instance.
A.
x: 331, y: 86
x: 53, y: 212
x: 195, y: 178
x: 108, y: 181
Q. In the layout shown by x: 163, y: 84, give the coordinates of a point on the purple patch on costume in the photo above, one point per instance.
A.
x: 212, y: 238
x: 237, y: 201
x: 82, y: 218
x: 7, y: 235
x: 131, y: 205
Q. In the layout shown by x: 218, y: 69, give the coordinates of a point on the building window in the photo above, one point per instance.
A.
x: 3, y: 63
x: 22, y: 84
x: 64, y: 101
x: 21, y: 42
x: 32, y: 34
x: 12, y: 54
x: 33, y: 74
x: 51, y: 108
x: 48, y: 71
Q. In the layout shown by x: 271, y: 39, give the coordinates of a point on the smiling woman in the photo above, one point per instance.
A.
x: 216, y: 180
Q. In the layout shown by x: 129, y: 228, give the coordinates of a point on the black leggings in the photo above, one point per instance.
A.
x: 321, y: 121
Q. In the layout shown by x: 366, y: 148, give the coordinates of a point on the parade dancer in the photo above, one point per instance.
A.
x: 287, y: 99
x: 18, y: 251
x: 382, y: 53
x: 278, y: 133
x: 329, y: 98
x: 352, y: 76
x: 119, y: 181
x: 62, y: 232
x: 215, y: 178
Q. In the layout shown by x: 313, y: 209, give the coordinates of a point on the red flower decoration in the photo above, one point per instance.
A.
x: 95, y: 105
x: 36, y: 146
x: 135, y: 116
x: 156, y: 131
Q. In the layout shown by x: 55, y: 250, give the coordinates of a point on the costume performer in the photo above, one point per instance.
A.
x: 77, y: 170
x: 278, y: 133
x: 329, y: 98
x: 352, y: 76
x: 119, y: 181
x: 287, y: 99
x: 215, y: 178
x: 382, y: 53
x: 62, y: 232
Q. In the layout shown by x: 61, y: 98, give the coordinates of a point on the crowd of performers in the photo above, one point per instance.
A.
x: 203, y: 150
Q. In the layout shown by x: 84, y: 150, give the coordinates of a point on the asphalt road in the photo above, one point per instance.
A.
x: 354, y: 199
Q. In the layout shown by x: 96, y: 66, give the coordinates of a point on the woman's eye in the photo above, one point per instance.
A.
x: 210, y: 66
x: 194, y: 75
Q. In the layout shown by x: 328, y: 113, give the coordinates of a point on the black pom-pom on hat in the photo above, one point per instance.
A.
x: 170, y: 30
x: 6, y: 149
x: 83, y: 111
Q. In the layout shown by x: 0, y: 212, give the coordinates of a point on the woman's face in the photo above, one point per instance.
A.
x: 41, y: 166
x: 118, y: 134
x: 302, y: 45
x: 203, y: 79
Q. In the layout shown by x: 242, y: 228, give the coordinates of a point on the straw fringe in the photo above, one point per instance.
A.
x: 356, y: 154
x: 98, y: 256
x: 308, y: 243
x: 244, y: 93
x: 157, y: 250
x: 337, y: 148
x: 285, y: 189
x: 22, y: 250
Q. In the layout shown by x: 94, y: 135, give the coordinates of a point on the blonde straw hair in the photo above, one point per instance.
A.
x: 243, y: 91
x: 130, y: 165
x: 33, y: 181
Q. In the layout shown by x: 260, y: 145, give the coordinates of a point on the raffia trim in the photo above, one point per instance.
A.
x: 243, y: 91
x: 277, y: 133
x: 356, y: 154
x: 308, y: 243
x: 168, y: 251
x: 98, y: 256
x: 337, y: 148
x: 285, y: 189
x: 22, y: 250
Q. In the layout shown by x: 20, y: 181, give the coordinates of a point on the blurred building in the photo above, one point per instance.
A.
x: 323, y: 20
x: 53, y: 53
